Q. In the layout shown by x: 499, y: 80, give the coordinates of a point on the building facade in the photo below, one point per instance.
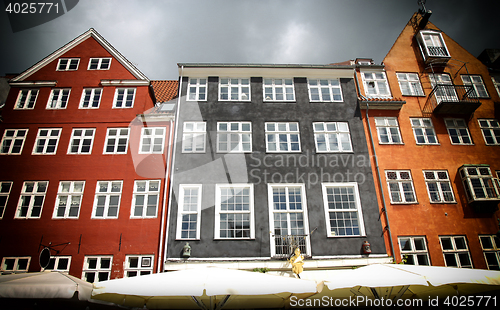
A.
x: 432, y: 125
x: 84, y: 155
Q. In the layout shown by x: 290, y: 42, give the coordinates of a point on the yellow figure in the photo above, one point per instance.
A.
x: 297, y: 262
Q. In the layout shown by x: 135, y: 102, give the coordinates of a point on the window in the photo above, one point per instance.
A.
x: 97, y: 268
x: 400, y: 186
x: 332, y: 137
x: 99, y: 63
x: 58, y: 98
x: 15, y: 264
x: 432, y: 44
x: 375, y: 84
x: 455, y: 251
x: 138, y: 265
x: 410, y: 84
x: 82, y: 140
x: 479, y: 90
x: 414, y: 250
x: 479, y: 183
x: 91, y: 98
x: 496, y: 83
x: 116, y: 141
x: 458, y: 131
x: 234, y: 217
x: 342, y: 209
x: 47, y: 140
x: 423, y: 131
x: 69, y: 199
x: 439, y: 186
x: 491, y: 251
x: 26, y: 99
x: 325, y: 90
x: 443, y: 88
x: 193, y: 137
x: 124, y: 98
x: 31, y: 201
x: 107, y: 199
x: 282, y: 137
x: 278, y: 90
x: 13, y: 141
x: 234, y: 137
x: 232, y: 89
x: 152, y: 140
x: 288, y: 218
x: 197, y: 89
x: 388, y: 130
x: 59, y: 263
x: 491, y: 131
x: 5, y: 187
x: 68, y: 64
x: 189, y: 212
x: 145, y: 200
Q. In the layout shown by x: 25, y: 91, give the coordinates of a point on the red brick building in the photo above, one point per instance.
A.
x: 84, y: 152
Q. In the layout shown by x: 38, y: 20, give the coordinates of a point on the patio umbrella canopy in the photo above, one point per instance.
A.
x: 204, y: 288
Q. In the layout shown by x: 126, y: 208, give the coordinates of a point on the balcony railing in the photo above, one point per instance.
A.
x: 451, y: 99
x: 285, y: 245
x: 437, y: 51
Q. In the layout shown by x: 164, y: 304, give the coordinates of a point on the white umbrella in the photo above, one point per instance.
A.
x: 204, y: 288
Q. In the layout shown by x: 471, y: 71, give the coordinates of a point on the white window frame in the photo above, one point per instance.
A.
x: 434, y: 39
x: 12, y: 135
x: 81, y: 140
x: 479, y: 181
x: 458, y: 130
x: 388, y: 126
x: 93, y: 94
x: 107, y: 195
x: 197, y: 89
x: 181, y: 211
x: 154, y: 135
x: 16, y: 268
x: 331, y: 133
x: 69, y: 63
x: 122, y: 98
x: 491, y: 131
x: 400, y: 181
x: 423, y: 127
x: 282, y: 89
x: 236, y: 189
x: 445, y: 93
x: 326, y: 90
x: 456, y: 252
x: 54, y: 261
x: 33, y: 195
x: 5, y: 188
x: 288, y: 212
x: 87, y: 270
x: 100, y: 65
x: 239, y: 134
x: 476, y: 81
x: 193, y: 133
x: 441, y: 179
x: 145, y: 264
x: 376, y: 81
x: 73, y: 195
x: 119, y: 139
x: 147, y: 192
x: 356, y: 212
x: 496, y: 84
x: 410, y: 85
x: 58, y: 99
x: 491, y: 252
x: 46, y: 140
x: 237, y: 89
x: 413, y: 252
x: 287, y: 132
x: 26, y: 99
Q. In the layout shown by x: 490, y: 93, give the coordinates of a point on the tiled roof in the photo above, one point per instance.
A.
x: 165, y: 90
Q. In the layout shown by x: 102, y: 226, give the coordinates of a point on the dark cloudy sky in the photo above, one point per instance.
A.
x: 155, y: 35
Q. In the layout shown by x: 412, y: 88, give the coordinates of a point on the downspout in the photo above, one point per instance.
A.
x: 177, y: 112
x: 384, y: 208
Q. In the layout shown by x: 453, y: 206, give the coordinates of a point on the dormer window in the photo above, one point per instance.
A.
x: 432, y: 45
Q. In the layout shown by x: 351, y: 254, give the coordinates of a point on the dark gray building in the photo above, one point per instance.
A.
x: 268, y: 158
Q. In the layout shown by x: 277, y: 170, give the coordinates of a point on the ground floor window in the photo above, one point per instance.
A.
x: 15, y: 264
x: 491, y: 251
x: 414, y: 250
x: 59, y: 263
x: 138, y: 265
x: 455, y: 251
x: 97, y: 268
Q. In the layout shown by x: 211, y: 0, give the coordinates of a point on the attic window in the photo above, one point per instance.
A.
x: 432, y: 45
x: 99, y: 63
x: 68, y: 64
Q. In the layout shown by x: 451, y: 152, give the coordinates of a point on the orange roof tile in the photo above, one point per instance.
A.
x: 165, y: 90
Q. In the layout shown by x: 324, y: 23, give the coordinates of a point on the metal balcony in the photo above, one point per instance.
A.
x: 285, y: 245
x: 452, y: 99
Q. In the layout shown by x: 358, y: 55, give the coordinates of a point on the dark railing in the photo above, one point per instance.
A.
x: 433, y: 51
x: 285, y: 245
x: 460, y: 99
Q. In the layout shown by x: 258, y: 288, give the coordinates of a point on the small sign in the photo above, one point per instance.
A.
x: 44, y: 258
